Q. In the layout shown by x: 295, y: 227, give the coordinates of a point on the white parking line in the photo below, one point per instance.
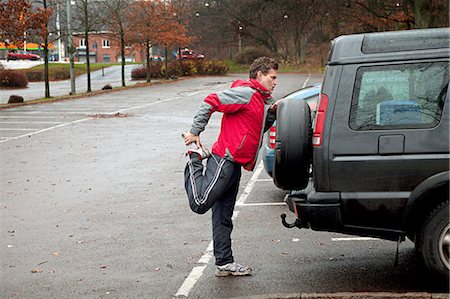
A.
x: 85, y: 119
x: 262, y: 204
x: 306, y: 81
x: 197, y: 272
x: 265, y: 180
x: 193, y: 93
x: 17, y: 129
x: 354, y: 239
x: 30, y: 117
x: 250, y: 185
x: 31, y: 122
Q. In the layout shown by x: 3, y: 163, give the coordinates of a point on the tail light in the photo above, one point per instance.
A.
x: 320, y: 120
x: 272, y: 136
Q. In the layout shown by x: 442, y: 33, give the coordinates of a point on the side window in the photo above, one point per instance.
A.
x: 399, y: 96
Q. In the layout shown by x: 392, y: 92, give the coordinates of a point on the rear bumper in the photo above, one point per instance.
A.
x: 322, y: 211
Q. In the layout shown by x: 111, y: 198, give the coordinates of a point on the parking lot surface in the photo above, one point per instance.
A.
x: 93, y: 205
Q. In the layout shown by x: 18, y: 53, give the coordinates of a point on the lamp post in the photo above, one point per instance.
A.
x: 239, y: 38
x: 70, y: 46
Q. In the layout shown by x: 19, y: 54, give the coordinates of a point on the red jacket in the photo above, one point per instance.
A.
x: 243, y: 122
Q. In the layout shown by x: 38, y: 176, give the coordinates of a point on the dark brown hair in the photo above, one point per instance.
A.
x: 263, y: 64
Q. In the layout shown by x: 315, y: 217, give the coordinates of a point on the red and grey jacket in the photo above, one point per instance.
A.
x: 245, y: 107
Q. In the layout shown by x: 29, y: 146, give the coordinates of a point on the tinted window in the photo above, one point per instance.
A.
x: 399, y: 96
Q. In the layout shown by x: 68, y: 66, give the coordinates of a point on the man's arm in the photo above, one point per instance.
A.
x: 271, y: 115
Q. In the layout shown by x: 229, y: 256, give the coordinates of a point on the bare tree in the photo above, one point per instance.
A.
x: 117, y: 21
x: 87, y: 14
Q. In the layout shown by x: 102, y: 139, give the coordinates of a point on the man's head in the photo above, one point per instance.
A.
x: 264, y: 70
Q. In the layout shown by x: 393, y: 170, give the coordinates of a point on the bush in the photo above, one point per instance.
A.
x: 249, y: 54
x: 10, y: 78
x: 196, y: 67
x: 140, y: 73
x: 38, y: 75
x: 35, y: 76
x: 60, y: 75
x: 215, y: 67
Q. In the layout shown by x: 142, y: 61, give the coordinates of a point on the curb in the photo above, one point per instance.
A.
x: 348, y: 295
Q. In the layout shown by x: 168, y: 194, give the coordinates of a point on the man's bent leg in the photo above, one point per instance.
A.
x: 204, y: 190
x: 222, y: 212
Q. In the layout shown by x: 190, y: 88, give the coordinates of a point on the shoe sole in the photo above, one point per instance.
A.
x: 228, y: 273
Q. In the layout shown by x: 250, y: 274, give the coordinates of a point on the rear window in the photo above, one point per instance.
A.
x: 399, y: 96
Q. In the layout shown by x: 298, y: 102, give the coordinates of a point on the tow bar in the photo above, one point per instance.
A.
x: 297, y: 222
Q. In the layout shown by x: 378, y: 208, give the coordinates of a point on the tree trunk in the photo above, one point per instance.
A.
x: 147, y: 53
x: 165, y: 63
x: 46, y: 77
x: 88, y: 63
x: 122, y: 52
x: 422, y: 13
x: 86, y: 36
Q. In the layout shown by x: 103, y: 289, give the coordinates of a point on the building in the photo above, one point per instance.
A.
x: 103, y: 49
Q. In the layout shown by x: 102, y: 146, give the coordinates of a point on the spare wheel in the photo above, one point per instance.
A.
x: 293, y: 149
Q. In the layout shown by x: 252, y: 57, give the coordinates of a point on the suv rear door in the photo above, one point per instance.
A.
x: 387, y: 135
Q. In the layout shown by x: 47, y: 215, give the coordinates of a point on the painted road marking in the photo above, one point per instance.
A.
x: 250, y: 185
x: 264, y: 180
x: 193, y: 93
x: 306, y: 81
x: 85, y: 119
x: 262, y: 204
x: 354, y: 239
x: 31, y: 122
x: 31, y: 117
x: 18, y: 129
x: 197, y: 272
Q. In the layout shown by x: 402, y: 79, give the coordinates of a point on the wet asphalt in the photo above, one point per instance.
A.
x: 93, y: 206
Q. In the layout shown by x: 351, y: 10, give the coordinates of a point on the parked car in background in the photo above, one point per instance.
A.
x: 309, y: 94
x: 156, y: 58
x: 22, y: 55
x: 187, y: 54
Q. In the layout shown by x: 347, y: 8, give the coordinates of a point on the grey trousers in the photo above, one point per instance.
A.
x: 214, y: 186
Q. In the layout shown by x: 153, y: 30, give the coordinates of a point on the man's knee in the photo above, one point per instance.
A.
x: 199, y: 209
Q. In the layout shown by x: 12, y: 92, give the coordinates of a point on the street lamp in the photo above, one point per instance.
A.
x: 239, y: 38
x: 70, y: 46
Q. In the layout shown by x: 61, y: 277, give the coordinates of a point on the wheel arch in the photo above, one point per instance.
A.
x: 426, y: 196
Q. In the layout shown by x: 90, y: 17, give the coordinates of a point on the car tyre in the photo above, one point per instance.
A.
x: 433, y: 241
x: 293, y: 149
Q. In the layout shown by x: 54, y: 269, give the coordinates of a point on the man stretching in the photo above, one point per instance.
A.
x: 248, y: 111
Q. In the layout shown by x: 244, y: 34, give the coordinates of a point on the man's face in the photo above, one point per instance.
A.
x: 269, y: 81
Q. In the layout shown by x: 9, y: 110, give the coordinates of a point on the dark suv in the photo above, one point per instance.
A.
x: 379, y: 152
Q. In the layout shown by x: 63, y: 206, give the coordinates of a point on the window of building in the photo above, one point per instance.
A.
x: 399, y: 96
x: 105, y: 43
x: 106, y: 58
x: 83, y: 43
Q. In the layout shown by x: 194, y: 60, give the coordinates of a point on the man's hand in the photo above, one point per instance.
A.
x: 275, y: 105
x: 189, y: 138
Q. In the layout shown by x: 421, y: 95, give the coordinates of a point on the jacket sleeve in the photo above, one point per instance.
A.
x: 227, y: 101
x: 270, y: 119
x: 201, y: 118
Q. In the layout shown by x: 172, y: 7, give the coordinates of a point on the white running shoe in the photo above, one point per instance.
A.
x: 234, y: 269
x: 202, y: 151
